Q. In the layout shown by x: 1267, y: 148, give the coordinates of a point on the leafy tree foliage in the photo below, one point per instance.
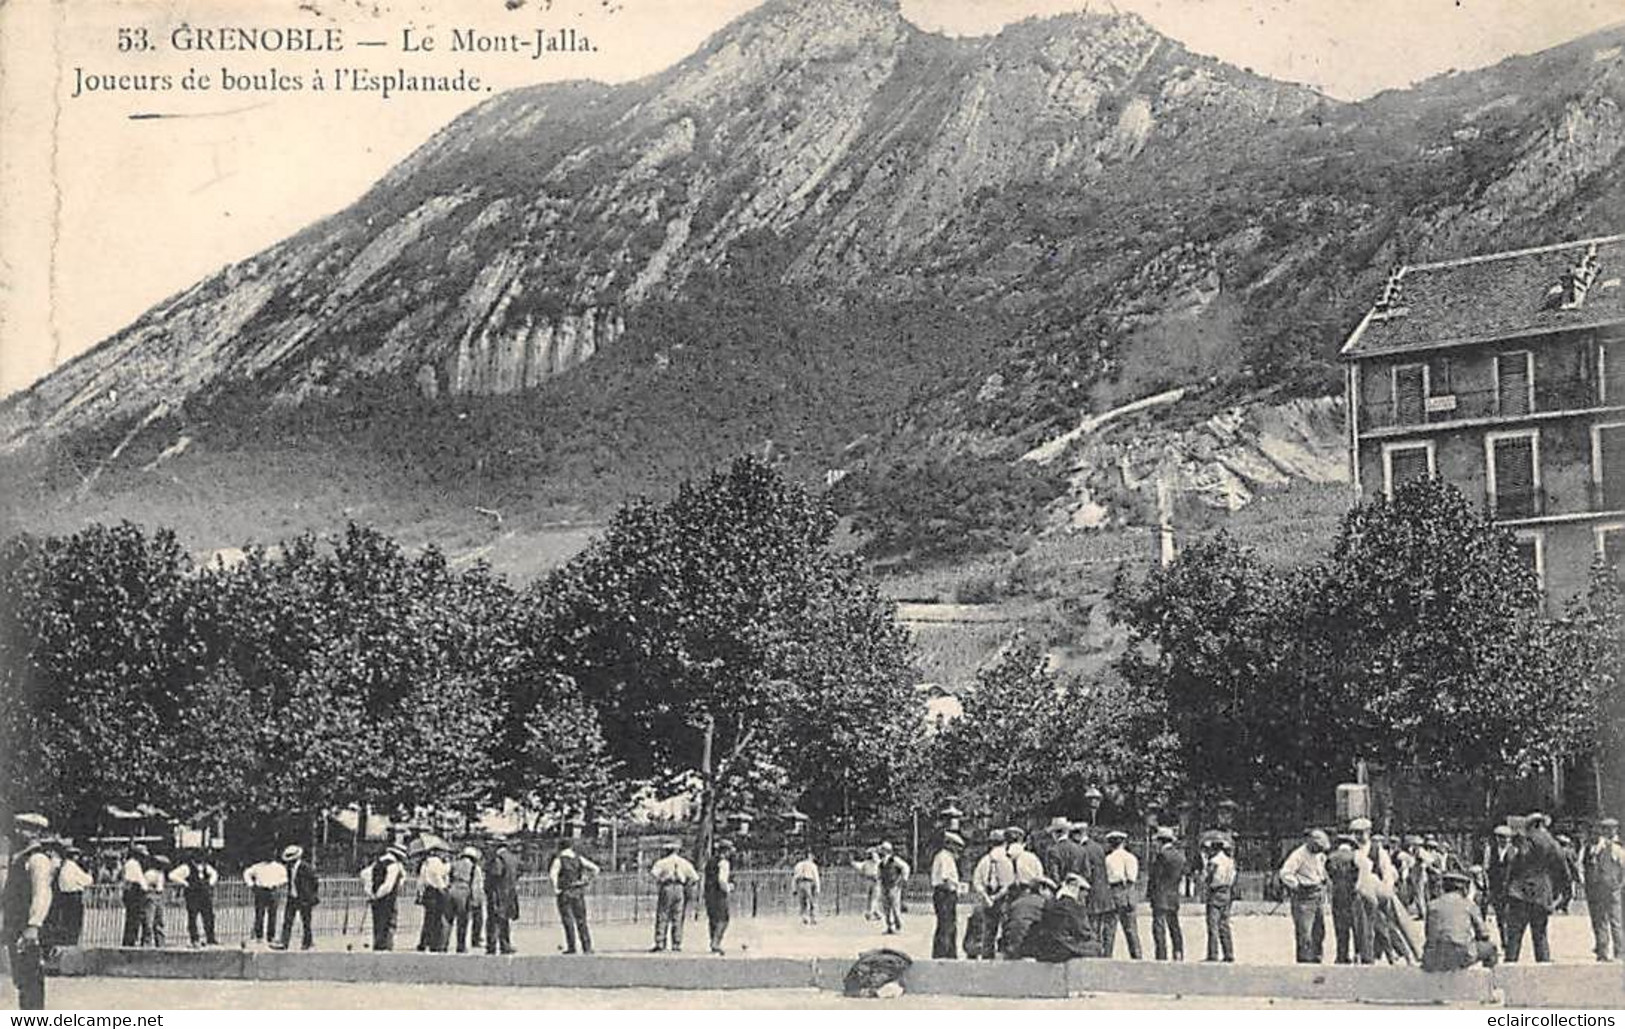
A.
x: 1417, y: 641
x: 1031, y: 741
x: 722, y: 623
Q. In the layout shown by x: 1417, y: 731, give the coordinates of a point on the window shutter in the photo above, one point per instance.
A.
x: 1613, y: 371
x: 1407, y: 464
x: 1512, y: 383
x: 1409, y: 394
x: 1611, y: 462
x: 1514, y: 477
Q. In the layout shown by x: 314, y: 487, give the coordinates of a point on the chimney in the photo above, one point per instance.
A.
x: 1577, y: 280
x: 1391, y: 303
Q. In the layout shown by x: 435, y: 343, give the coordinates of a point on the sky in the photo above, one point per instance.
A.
x: 108, y: 215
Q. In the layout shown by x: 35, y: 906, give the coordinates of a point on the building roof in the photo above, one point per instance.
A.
x: 1495, y: 296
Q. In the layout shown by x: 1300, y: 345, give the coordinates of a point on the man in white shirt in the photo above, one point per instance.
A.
x: 133, y: 879
x: 992, y: 875
x: 197, y: 879
x: 1027, y: 866
x: 572, y: 873
x: 675, y: 879
x: 36, y: 856
x: 267, y: 882
x: 945, y: 890
x: 157, y: 889
x: 71, y: 880
x: 1219, y: 878
x: 434, y: 878
x: 1122, y: 873
x: 894, y: 873
x: 807, y: 883
x: 1304, y: 876
x: 382, y: 881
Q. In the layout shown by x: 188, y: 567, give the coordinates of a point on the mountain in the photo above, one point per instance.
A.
x: 895, y: 260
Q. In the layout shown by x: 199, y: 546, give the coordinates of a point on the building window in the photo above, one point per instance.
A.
x: 1531, y: 545
x: 1611, y: 371
x: 1608, y: 467
x: 1611, y: 547
x: 1512, y: 464
x: 1515, y: 382
x: 1410, y: 393
x: 1402, y: 462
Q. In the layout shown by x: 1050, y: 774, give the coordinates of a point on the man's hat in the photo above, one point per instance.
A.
x: 885, y: 846
x: 1059, y: 826
x: 396, y: 851
x: 1412, y: 840
x: 161, y: 860
x: 139, y: 848
x: 953, y: 839
x: 1044, y: 881
x: 1361, y: 824
x: 292, y: 852
x: 1535, y: 819
x: 30, y: 821
x: 995, y: 836
x: 472, y: 852
x: 672, y: 845
x: 1319, y: 837
x: 1564, y: 840
x: 1346, y: 837
x: 1503, y: 831
x: 1608, y: 823
x: 1116, y: 834
x: 1074, y: 879
x: 725, y: 844
x: 1016, y: 833
x: 1456, y: 879
x: 1165, y: 833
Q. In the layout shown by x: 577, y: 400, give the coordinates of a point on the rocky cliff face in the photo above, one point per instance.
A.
x: 735, y: 239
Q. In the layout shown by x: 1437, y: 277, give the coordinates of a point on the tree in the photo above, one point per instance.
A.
x: 107, y: 665
x: 719, y: 637
x: 1030, y: 741
x: 1428, y: 628
x: 1593, y: 658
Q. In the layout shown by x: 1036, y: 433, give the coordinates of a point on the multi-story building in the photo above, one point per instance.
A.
x: 1505, y: 375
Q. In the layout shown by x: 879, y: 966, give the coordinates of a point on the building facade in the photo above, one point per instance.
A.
x: 1504, y: 374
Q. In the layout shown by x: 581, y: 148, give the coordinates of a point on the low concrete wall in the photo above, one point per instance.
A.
x: 1600, y: 985
x: 1525, y: 986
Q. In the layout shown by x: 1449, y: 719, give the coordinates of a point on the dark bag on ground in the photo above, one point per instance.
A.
x: 874, y: 969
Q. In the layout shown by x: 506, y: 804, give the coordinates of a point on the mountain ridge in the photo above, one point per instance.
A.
x: 874, y: 250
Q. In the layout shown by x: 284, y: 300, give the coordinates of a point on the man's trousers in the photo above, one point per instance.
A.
x: 135, y: 914
x: 1122, y: 916
x: 1343, y: 920
x: 669, y: 916
x: 572, y: 906
x: 265, y: 908
x: 1165, y: 930
x: 1218, y: 924
x: 945, y: 942
x: 1523, y: 915
x: 28, y: 974
x: 1604, y: 909
x: 1309, y: 924
x: 383, y: 923
x: 200, y: 919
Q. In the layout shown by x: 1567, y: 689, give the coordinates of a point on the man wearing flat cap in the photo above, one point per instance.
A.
x: 992, y: 876
x: 1122, y: 872
x: 1539, y: 874
x: 1162, y: 889
x: 1497, y: 862
x: 35, y: 857
x: 502, y: 898
x: 1455, y: 937
x: 1604, y: 875
x: 946, y: 887
x: 1065, y: 855
x: 1343, y: 877
x: 675, y: 878
x: 1303, y: 873
x: 894, y: 873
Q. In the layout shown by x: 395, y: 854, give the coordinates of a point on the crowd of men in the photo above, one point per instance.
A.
x: 1063, y: 894
x: 1071, y: 896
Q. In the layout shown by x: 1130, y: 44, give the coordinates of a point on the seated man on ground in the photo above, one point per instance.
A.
x: 1064, y: 930
x: 1456, y: 937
